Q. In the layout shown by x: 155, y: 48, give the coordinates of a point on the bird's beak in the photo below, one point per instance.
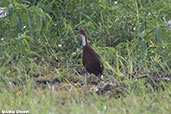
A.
x: 77, y: 31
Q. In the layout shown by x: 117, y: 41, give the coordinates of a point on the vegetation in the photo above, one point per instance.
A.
x: 40, y: 56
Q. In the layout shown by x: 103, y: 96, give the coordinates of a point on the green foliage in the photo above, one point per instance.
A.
x: 51, y: 23
x: 37, y: 39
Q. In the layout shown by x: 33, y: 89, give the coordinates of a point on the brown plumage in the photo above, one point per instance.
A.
x: 91, y: 60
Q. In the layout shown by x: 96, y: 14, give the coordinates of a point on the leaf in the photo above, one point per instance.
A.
x: 21, y: 46
x: 142, y: 34
x: 10, y: 11
x: 19, y: 24
x: 50, y: 6
x: 33, y: 53
x: 37, y: 21
x: 26, y: 45
x: 43, y: 22
x: 143, y: 42
x: 3, y: 57
x: 27, y: 37
x: 30, y: 20
x: 29, y: 87
x: 158, y: 34
x: 12, y: 55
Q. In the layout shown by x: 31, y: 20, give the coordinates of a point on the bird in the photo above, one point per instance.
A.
x: 91, y: 60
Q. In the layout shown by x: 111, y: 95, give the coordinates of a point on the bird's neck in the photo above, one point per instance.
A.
x: 84, y: 40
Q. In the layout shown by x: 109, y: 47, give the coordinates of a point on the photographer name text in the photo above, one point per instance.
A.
x: 14, y: 111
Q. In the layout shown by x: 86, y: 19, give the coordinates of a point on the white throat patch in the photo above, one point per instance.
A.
x: 83, y: 40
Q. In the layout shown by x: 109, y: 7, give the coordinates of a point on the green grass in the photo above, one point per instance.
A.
x: 37, y: 43
x: 48, y: 100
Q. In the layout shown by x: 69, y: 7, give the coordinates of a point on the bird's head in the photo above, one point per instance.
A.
x: 83, y: 35
x: 81, y: 32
